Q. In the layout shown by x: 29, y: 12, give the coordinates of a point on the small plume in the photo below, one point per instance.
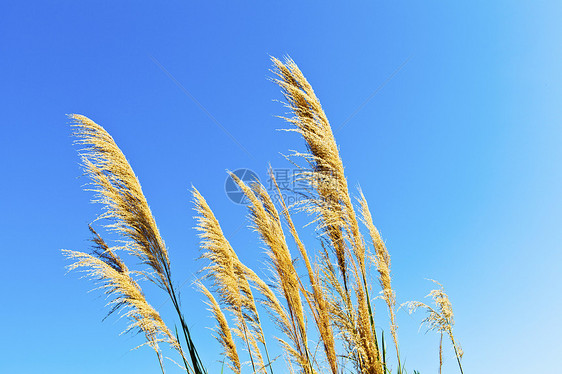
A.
x: 440, y: 318
x: 114, y: 278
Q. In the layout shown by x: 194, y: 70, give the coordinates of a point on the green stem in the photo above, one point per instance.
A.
x: 383, y: 352
x: 455, y: 348
x: 247, y: 341
x: 186, y: 364
x: 268, y: 359
x: 371, y: 318
x: 194, y: 355
x: 160, y: 361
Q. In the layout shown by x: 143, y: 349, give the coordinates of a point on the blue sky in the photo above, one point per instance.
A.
x: 458, y: 153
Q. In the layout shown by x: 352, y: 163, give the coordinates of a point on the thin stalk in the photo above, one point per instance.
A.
x: 160, y: 362
x: 247, y: 342
x: 456, y: 352
x: 371, y: 317
x: 186, y: 364
x: 383, y: 352
x: 440, y: 352
x: 267, y: 355
x: 194, y: 355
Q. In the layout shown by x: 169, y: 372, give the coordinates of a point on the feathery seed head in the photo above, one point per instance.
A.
x: 119, y: 190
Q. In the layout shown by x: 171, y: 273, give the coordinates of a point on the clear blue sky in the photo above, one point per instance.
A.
x: 458, y: 154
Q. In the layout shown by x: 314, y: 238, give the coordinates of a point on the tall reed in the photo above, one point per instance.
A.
x: 330, y: 200
x: 126, y: 210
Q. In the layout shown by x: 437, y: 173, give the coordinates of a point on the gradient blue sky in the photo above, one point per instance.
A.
x: 458, y: 154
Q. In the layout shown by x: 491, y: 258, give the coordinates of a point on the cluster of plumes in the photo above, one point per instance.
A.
x: 330, y: 201
x: 440, y: 319
x: 127, y: 212
x: 316, y: 299
x: 337, y: 292
x: 267, y: 222
x: 232, y: 281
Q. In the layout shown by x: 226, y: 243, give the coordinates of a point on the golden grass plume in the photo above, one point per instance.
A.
x: 119, y: 190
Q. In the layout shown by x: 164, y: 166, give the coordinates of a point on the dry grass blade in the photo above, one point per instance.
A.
x: 327, y: 173
x: 382, y: 263
x: 224, y: 335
